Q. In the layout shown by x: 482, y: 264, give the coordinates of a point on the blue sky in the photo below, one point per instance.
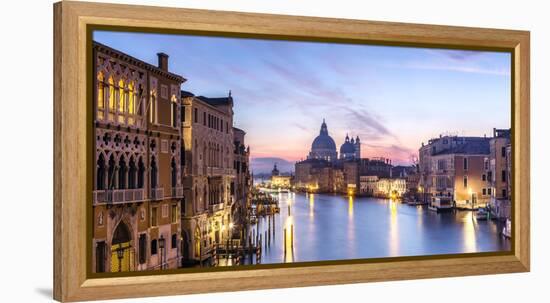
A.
x: 393, y: 98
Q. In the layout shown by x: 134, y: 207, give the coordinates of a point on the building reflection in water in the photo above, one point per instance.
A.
x: 394, y: 229
x: 469, y: 234
x: 350, y: 208
x: 311, y: 205
x: 288, y: 239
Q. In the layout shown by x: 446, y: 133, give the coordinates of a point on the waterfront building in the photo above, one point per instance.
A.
x: 368, y: 185
x: 390, y: 188
x: 323, y: 172
x: 278, y: 180
x: 498, y: 173
x: 378, y: 166
x: 453, y: 167
x: 315, y: 175
x: 137, y: 144
x: 243, y: 180
x: 208, y: 142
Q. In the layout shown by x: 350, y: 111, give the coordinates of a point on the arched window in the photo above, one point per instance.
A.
x: 112, y: 105
x: 100, y: 96
x: 122, y: 173
x: 197, y: 242
x: 131, y: 103
x: 121, y: 101
x: 100, y: 175
x: 111, y: 172
x: 174, y: 172
x: 141, y: 173
x: 153, y: 173
x: 153, y: 108
x: 132, y: 174
x: 174, y: 111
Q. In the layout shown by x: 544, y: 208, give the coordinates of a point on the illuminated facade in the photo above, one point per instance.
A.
x: 241, y: 187
x: 390, y: 188
x: 137, y: 188
x: 322, y: 172
x: 455, y: 167
x: 208, y: 140
x: 499, y: 173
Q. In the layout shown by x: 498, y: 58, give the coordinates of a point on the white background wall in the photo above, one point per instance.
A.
x: 26, y: 149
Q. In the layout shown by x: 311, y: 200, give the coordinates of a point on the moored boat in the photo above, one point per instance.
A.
x: 482, y: 214
x: 507, y: 229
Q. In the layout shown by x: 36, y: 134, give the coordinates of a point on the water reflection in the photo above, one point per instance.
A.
x: 332, y: 227
x: 394, y: 229
x: 311, y: 205
x: 469, y: 224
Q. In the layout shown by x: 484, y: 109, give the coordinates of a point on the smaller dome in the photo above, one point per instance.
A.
x: 347, y: 148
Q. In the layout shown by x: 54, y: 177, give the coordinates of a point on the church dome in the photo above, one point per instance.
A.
x: 323, y: 142
x: 347, y: 148
x: 323, y: 146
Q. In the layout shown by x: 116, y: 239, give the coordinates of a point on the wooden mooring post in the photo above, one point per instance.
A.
x: 284, y: 243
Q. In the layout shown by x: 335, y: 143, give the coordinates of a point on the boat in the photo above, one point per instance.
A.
x: 482, y: 214
x: 441, y: 204
x: 507, y: 229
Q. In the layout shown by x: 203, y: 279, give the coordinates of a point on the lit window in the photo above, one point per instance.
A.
x: 100, y: 95
x: 121, y: 101
x: 174, y: 213
x: 131, y: 102
x: 111, y: 98
x: 152, y: 107
x: 174, y: 111
x: 154, y: 216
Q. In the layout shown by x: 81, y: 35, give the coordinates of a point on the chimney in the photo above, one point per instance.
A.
x: 163, y: 61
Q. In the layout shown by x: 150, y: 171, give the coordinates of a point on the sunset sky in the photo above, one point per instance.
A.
x: 393, y: 98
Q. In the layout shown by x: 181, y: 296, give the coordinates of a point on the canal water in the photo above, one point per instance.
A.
x: 334, y: 227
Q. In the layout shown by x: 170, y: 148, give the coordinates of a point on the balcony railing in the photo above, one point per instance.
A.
x: 216, y: 171
x: 215, y: 207
x: 116, y: 196
x: 157, y: 193
x: 177, y: 192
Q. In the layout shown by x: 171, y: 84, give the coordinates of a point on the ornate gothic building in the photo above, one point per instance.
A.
x: 137, y: 187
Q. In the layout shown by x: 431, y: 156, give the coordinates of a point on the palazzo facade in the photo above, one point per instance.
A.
x: 137, y: 188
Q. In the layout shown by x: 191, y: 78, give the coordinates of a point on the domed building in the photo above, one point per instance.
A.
x: 351, y: 149
x: 323, y: 147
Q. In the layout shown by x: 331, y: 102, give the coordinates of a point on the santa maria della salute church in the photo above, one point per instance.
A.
x: 326, y: 170
x: 324, y: 148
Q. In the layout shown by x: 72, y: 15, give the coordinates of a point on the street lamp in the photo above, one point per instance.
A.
x: 471, y: 194
x: 120, y: 255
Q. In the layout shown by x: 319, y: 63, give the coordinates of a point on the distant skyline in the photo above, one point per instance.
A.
x: 393, y: 98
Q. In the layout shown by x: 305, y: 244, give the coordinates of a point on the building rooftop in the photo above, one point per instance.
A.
x: 468, y: 146
x: 217, y: 101
x: 185, y: 93
x: 135, y: 61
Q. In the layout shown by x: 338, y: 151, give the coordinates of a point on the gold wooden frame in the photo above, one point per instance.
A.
x: 71, y: 184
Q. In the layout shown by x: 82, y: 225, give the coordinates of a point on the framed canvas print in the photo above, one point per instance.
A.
x: 200, y: 151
